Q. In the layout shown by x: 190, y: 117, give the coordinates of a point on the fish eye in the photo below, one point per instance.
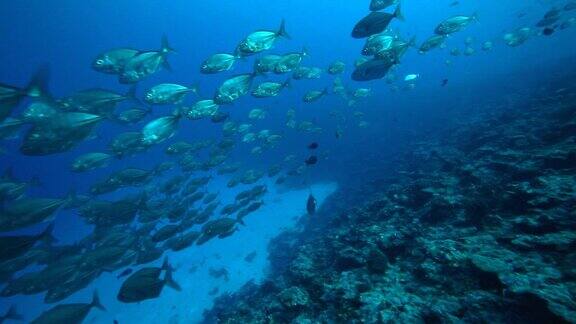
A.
x: 99, y: 62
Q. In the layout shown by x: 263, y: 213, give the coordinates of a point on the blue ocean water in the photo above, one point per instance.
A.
x: 67, y: 35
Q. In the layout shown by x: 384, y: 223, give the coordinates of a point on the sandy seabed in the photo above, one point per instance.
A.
x: 280, y: 211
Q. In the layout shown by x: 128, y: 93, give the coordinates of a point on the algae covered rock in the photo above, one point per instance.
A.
x: 349, y: 258
x: 294, y: 297
x: 475, y: 225
x: 377, y: 262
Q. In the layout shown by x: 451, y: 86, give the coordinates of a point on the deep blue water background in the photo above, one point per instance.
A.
x: 68, y: 34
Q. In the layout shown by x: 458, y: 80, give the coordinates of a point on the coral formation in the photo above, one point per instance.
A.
x: 478, y: 226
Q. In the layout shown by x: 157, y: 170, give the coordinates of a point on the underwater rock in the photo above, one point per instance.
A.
x: 560, y: 160
x: 303, y: 267
x: 438, y: 211
x: 349, y: 258
x: 534, y: 224
x: 393, y: 244
x: 561, y: 241
x: 474, y: 226
x: 377, y: 262
x: 475, y: 213
x: 294, y: 297
x: 347, y: 287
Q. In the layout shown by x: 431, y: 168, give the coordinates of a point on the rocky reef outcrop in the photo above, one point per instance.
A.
x: 478, y: 226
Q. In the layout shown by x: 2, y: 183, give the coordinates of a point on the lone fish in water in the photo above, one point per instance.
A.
x: 311, y: 205
x: 311, y: 160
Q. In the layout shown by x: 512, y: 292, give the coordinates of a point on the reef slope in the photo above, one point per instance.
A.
x: 477, y: 225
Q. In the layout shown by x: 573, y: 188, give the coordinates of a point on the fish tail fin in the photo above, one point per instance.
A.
x: 12, y: 314
x: 166, y: 265
x: 38, y: 86
x: 195, y: 88
x: 305, y: 52
x: 398, y: 12
x: 257, y: 72
x: 157, y: 170
x: 165, y: 46
x: 131, y: 95
x: 169, y: 279
x: 240, y: 220
x: 96, y: 301
x: 474, y: 17
x: 238, y: 53
x: 287, y: 83
x: 8, y: 173
x: 178, y: 112
x: 35, y: 182
x: 71, y: 197
x: 143, y: 196
x: 282, y: 30
x: 166, y: 65
x: 166, y: 49
x: 46, y: 234
x: 412, y: 42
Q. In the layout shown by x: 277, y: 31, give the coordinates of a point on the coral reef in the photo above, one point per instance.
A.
x: 478, y: 226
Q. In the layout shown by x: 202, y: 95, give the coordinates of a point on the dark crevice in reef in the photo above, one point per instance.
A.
x: 478, y: 225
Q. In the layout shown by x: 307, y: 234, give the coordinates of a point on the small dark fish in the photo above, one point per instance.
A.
x: 311, y: 205
x: 311, y: 160
x: 454, y: 4
x: 548, y: 31
x: 250, y: 257
x: 219, y: 273
x: 313, y: 146
x: 444, y: 82
x: 125, y: 273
